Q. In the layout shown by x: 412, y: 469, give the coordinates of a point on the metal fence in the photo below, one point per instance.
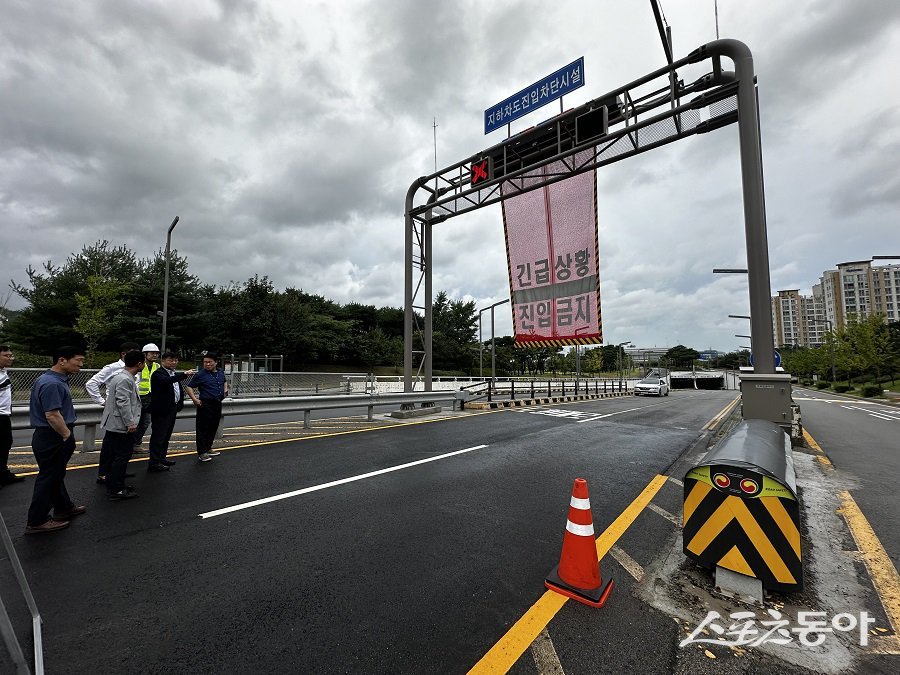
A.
x: 245, y: 384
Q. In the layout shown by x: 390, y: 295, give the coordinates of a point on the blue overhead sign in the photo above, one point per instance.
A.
x: 552, y: 87
x: 777, y: 359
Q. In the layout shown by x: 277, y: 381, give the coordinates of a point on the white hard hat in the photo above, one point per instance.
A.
x: 150, y: 347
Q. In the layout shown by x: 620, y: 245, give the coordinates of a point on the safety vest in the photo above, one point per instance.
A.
x: 144, y: 378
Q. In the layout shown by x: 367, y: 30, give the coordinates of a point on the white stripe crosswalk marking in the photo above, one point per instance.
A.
x: 628, y: 563
x: 665, y: 514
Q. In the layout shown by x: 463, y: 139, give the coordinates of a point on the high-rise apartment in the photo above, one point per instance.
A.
x: 853, y: 291
x: 857, y: 289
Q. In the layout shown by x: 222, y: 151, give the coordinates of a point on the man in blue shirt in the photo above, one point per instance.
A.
x: 53, y: 442
x: 207, y: 389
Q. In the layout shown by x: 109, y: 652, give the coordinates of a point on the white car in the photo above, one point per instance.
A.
x: 651, y: 386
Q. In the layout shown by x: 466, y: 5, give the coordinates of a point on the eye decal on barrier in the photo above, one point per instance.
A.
x: 751, y: 487
x: 721, y: 480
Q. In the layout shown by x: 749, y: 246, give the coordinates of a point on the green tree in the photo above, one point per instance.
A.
x: 99, y: 310
x: 455, y: 327
x: 681, y: 356
x: 52, y: 312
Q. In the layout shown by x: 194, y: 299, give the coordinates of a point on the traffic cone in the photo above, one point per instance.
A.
x: 578, y: 574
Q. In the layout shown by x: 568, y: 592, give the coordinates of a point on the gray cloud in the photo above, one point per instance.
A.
x: 285, y: 136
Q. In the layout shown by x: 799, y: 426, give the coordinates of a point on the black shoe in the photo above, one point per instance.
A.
x: 124, y: 493
x: 169, y: 462
x: 154, y: 468
x: 101, y: 480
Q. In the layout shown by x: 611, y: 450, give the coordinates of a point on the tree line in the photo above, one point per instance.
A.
x: 863, y: 350
x: 105, y: 294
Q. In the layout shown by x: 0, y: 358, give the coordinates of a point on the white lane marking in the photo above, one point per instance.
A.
x: 676, y: 481
x: 544, y: 654
x: 600, y: 417
x: 628, y: 563
x: 334, y: 483
x: 871, y: 413
x: 665, y: 514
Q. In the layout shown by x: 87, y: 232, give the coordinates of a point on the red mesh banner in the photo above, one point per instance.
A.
x: 552, y: 249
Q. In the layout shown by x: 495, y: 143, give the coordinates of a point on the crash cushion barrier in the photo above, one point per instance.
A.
x: 741, y: 510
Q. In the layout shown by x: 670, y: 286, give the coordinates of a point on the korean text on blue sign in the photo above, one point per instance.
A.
x: 552, y: 87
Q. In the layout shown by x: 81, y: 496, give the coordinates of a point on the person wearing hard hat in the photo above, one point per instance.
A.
x: 151, y: 354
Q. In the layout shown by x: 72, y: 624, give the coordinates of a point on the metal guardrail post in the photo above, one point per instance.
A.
x: 369, y: 410
x: 306, y: 418
x: 512, y: 390
x: 89, y: 441
x: 490, y: 387
x: 532, y: 390
x: 564, y: 388
x: 6, y: 628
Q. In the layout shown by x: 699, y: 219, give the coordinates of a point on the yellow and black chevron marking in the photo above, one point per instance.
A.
x: 597, y: 259
x: 564, y: 342
x: 757, y: 533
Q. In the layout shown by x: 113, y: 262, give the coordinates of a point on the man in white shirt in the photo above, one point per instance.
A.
x: 7, y: 477
x: 103, y: 376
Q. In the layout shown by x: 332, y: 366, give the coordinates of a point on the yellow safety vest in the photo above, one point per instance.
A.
x: 144, y: 378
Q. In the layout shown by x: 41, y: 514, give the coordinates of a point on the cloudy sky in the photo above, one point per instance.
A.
x: 285, y: 135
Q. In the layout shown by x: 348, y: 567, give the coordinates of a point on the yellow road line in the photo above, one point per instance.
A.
x: 284, y: 440
x: 821, y: 456
x: 501, y: 657
x: 811, y: 442
x: 881, y: 570
x: 724, y: 411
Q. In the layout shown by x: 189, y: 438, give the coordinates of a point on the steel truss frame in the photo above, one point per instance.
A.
x: 633, y: 123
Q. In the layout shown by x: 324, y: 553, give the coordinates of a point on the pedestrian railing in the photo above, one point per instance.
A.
x: 89, y: 414
x: 6, y: 627
x: 246, y: 384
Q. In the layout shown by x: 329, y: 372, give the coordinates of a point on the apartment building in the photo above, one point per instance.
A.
x: 858, y: 289
x: 798, y: 319
x: 854, y: 291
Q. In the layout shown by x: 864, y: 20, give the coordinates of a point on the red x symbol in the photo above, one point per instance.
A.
x: 480, y: 171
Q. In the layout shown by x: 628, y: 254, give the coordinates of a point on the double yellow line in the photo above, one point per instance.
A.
x: 501, y: 657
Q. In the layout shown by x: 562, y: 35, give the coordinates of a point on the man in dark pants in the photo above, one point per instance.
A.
x: 151, y: 353
x: 208, y: 388
x: 7, y: 477
x: 53, y: 418
x: 121, y: 415
x: 165, y: 404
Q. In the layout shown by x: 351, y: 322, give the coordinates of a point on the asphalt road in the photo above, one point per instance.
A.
x: 418, y: 569
x: 862, y: 439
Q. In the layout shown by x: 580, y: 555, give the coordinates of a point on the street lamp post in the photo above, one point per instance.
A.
x: 620, y: 360
x: 165, y: 310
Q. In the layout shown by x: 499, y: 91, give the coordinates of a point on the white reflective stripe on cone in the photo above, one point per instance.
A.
x: 583, y: 504
x: 580, y: 530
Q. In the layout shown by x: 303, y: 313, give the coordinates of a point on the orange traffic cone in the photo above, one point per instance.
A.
x: 578, y: 573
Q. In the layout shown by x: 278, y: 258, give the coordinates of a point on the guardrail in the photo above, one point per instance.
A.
x: 246, y: 384
x: 537, y: 388
x: 89, y: 414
